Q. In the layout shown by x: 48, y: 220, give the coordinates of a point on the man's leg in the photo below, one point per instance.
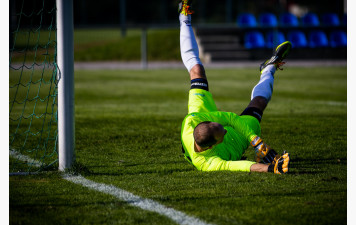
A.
x: 189, y: 49
x: 262, y: 92
x: 200, y: 99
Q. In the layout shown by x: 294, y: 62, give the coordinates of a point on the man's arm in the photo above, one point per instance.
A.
x: 259, y: 167
x: 218, y: 164
x: 215, y: 163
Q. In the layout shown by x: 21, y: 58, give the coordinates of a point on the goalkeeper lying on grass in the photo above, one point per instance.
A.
x: 213, y: 140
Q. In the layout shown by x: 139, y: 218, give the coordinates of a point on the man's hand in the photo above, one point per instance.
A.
x: 280, y: 165
x: 261, y: 149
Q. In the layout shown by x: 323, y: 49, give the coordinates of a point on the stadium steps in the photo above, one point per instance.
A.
x: 224, y: 44
x: 224, y: 48
x: 217, y: 44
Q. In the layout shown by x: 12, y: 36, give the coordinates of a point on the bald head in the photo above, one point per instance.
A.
x: 207, y: 134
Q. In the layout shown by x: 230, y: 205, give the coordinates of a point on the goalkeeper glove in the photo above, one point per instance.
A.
x: 280, y: 165
x: 261, y: 149
x: 271, y: 157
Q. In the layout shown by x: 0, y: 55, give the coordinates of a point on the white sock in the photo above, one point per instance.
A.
x: 264, y: 87
x: 188, y: 46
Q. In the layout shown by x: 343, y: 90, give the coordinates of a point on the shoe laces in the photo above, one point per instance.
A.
x: 185, y: 9
x: 279, y: 65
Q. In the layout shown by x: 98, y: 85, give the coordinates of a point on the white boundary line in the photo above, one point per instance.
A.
x: 25, y: 158
x: 133, y: 200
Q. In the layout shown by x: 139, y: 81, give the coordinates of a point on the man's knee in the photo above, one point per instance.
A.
x: 256, y: 107
x: 197, y: 72
x: 252, y: 111
x: 258, y: 102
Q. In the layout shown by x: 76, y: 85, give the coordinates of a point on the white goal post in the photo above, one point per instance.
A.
x: 65, y: 73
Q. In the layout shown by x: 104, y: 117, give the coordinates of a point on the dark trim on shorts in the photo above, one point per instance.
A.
x: 199, y: 83
x: 252, y: 111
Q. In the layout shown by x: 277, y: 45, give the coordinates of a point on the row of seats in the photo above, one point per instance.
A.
x: 316, y: 39
x: 290, y: 20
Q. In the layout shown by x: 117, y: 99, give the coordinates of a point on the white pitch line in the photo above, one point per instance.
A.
x: 25, y: 158
x: 131, y: 199
x: 134, y: 200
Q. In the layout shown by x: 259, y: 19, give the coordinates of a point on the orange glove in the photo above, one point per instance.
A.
x: 281, y: 165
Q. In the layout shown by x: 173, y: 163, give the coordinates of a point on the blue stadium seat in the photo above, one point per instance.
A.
x: 246, y: 20
x: 338, y: 39
x: 318, y: 39
x: 273, y: 39
x: 310, y: 20
x: 297, y: 38
x: 254, y: 39
x: 268, y: 20
x: 330, y: 19
x: 288, y: 20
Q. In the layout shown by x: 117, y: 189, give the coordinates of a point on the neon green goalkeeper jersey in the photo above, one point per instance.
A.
x: 225, y: 156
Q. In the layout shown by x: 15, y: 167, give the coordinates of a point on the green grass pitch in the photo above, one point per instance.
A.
x: 128, y: 135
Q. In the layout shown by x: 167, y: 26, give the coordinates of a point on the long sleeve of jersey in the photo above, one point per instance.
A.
x: 205, y: 162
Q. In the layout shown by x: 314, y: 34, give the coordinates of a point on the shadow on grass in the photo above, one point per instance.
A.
x: 121, y: 173
x: 129, y: 169
x: 314, y: 165
x: 298, y: 166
